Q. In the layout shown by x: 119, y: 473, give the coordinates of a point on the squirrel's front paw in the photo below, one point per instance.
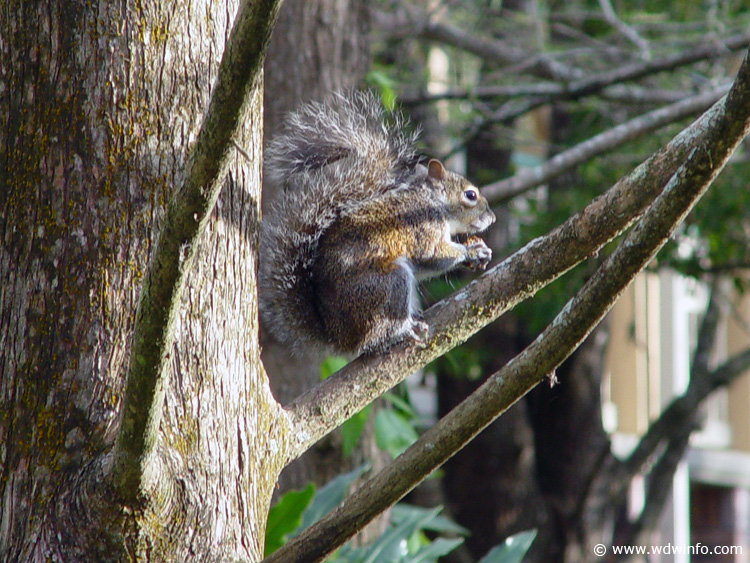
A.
x: 478, y: 254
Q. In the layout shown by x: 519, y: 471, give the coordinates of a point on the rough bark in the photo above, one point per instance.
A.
x: 100, y: 105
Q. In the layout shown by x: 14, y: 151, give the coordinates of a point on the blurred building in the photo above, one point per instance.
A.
x: 653, y: 331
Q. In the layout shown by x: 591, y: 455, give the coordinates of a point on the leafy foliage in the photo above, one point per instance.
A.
x: 405, y: 540
x: 329, y: 496
x: 286, y: 516
x: 352, y: 429
x: 511, y: 550
x: 394, y: 432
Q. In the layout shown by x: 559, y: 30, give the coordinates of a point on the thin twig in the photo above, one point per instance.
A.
x: 625, y: 30
x: 579, y: 88
x: 659, y: 487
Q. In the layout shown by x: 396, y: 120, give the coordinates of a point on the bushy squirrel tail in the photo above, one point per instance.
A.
x: 327, y: 145
x: 329, y: 157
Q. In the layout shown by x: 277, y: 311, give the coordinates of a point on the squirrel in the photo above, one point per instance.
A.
x: 357, y: 222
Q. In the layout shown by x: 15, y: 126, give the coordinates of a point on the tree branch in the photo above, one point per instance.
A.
x: 676, y: 423
x: 659, y: 487
x: 529, y: 178
x: 578, y: 86
x: 542, y: 260
x: 662, y: 473
x: 727, y: 125
x: 634, y: 71
x: 413, y: 22
x: 625, y: 30
x: 616, y: 92
x: 186, y: 217
x: 587, y: 86
x: 496, y: 50
x: 681, y: 409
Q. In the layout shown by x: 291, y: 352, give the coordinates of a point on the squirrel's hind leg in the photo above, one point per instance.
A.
x: 395, y: 314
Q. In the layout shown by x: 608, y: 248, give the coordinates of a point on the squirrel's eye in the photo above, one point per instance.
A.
x: 471, y: 195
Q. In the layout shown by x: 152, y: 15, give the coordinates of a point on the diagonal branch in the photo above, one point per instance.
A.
x: 678, y: 436
x: 625, y: 30
x: 659, y: 487
x: 501, y: 52
x: 454, y: 320
x: 587, y: 86
x: 728, y: 124
x: 634, y: 71
x: 672, y: 429
x: 413, y: 22
x: 529, y: 178
x: 616, y: 93
x: 681, y: 409
x: 186, y: 217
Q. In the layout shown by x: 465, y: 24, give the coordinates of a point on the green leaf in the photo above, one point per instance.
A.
x: 329, y: 496
x: 402, y: 510
x: 415, y: 542
x: 385, y: 86
x: 438, y: 548
x: 393, y: 432
x: 286, y: 516
x: 400, y: 404
x: 404, y: 541
x: 351, y: 430
x: 512, y: 550
x: 390, y: 547
x: 330, y: 365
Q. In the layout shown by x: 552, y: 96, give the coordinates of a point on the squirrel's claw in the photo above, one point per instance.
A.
x: 478, y: 254
x: 418, y: 331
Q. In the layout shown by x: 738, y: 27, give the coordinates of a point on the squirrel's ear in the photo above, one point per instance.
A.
x: 435, y: 169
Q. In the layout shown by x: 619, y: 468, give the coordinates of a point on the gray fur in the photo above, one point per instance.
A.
x: 331, y: 157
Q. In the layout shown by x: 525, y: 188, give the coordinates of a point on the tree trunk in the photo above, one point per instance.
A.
x: 99, y: 104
